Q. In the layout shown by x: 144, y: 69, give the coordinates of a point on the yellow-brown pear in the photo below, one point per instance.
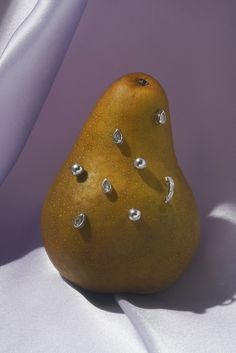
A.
x: 111, y: 248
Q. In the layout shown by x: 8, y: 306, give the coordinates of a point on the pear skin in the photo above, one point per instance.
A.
x: 111, y: 252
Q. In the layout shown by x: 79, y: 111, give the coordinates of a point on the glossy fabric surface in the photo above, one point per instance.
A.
x: 28, y: 65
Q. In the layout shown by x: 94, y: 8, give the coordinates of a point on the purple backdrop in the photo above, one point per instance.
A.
x: 190, y: 47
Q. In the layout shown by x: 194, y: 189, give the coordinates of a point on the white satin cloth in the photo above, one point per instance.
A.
x: 35, y: 36
x: 40, y: 312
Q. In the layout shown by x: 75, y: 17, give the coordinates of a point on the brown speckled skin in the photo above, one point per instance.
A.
x: 112, y: 253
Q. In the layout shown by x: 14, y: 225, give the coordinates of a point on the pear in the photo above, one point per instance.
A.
x: 120, y: 215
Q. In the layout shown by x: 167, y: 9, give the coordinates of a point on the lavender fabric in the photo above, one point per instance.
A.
x: 12, y: 14
x: 28, y: 66
x: 190, y: 47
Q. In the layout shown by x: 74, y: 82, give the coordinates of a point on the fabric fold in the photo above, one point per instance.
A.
x: 28, y: 67
x: 42, y: 313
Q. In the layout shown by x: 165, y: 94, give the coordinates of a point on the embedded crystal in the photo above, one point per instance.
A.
x: 77, y: 169
x: 106, y: 186
x: 170, y: 181
x: 160, y: 117
x: 117, y: 136
x: 134, y: 214
x: 79, y: 221
x: 140, y: 163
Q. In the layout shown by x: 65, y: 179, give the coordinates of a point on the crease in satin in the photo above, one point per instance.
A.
x: 17, y: 28
x: 142, y: 326
x: 28, y: 67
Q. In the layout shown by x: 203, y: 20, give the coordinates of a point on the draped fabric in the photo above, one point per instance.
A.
x: 192, y: 45
x: 41, y: 312
x: 37, y: 43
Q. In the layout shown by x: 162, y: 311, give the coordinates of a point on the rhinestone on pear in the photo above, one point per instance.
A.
x: 117, y: 136
x: 134, y: 214
x: 106, y: 186
x: 79, y: 221
x: 160, y: 117
x: 170, y: 181
x: 77, y: 169
x: 140, y: 163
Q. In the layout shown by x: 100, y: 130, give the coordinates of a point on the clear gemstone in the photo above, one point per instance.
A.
x: 160, y: 117
x: 140, y: 163
x: 134, y: 214
x: 170, y: 181
x: 106, y: 186
x: 117, y: 136
x: 79, y: 221
x: 77, y: 169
